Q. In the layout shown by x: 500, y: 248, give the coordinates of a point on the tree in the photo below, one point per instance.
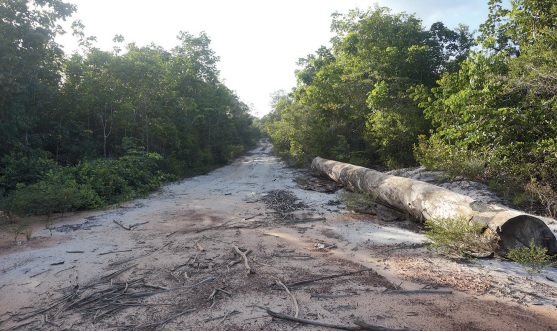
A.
x: 356, y: 95
x: 495, y: 118
x: 30, y: 63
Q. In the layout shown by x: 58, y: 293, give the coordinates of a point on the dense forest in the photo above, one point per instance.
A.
x: 96, y: 127
x: 389, y: 93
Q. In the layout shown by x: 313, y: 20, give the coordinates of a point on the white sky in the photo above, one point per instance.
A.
x: 258, y: 41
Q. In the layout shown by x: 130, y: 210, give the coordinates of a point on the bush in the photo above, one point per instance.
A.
x: 24, y: 168
x: 141, y: 172
x: 457, y: 237
x: 103, y: 178
x: 532, y: 258
x: 56, y: 193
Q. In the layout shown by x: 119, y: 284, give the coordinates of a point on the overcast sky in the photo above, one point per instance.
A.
x: 258, y: 41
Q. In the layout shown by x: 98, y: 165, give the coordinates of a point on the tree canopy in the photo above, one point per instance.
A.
x: 353, y: 101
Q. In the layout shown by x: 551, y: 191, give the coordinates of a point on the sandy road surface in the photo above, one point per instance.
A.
x: 172, y: 262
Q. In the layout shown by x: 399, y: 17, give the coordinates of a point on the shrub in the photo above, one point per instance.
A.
x: 24, y: 168
x: 140, y: 171
x: 354, y: 200
x: 51, y: 195
x: 457, y: 237
x: 103, y: 178
x: 532, y: 258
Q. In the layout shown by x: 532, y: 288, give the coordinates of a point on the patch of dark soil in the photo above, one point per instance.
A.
x: 284, y: 203
x: 87, y: 225
x: 310, y: 182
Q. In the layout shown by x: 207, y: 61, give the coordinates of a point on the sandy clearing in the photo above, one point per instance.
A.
x: 181, y: 271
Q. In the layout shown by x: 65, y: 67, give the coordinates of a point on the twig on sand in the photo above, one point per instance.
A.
x: 138, y: 224
x: 244, y: 257
x: 154, y: 325
x: 417, y: 291
x: 223, y: 317
x: 296, y: 308
x: 130, y: 227
x: 120, y: 224
x: 308, y: 281
x: 360, y: 324
x: 333, y: 296
x: 114, y: 274
x: 114, y: 252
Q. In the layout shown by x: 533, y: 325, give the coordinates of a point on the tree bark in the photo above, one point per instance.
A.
x: 424, y: 201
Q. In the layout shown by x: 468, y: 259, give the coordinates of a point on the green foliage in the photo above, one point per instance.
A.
x: 50, y: 195
x: 354, y: 200
x: 534, y: 259
x: 16, y: 229
x: 354, y: 101
x: 494, y: 118
x: 457, y: 237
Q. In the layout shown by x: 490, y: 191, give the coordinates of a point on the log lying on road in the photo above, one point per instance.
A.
x: 424, y: 201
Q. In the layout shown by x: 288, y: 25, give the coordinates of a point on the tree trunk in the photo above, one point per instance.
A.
x: 424, y: 201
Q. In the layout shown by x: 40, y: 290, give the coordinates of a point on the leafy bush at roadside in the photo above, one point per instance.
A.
x: 457, y: 237
x: 89, y: 185
x: 532, y: 258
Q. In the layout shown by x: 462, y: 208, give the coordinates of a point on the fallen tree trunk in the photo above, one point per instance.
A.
x: 424, y: 201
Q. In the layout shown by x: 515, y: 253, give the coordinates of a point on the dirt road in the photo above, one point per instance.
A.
x: 215, y: 252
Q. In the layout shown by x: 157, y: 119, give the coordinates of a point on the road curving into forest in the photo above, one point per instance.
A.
x: 226, y: 250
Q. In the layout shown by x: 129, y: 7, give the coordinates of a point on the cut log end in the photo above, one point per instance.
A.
x: 521, y: 230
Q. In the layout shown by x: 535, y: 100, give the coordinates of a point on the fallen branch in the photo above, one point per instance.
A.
x: 69, y: 268
x: 138, y: 224
x: 371, y: 327
x: 257, y: 215
x: 34, y: 275
x: 114, y: 274
x: 301, y: 221
x: 360, y: 325
x: 296, y: 308
x: 308, y: 281
x: 213, y: 295
x: 152, y: 326
x: 245, y: 258
x: 113, y: 252
x: 213, y: 227
x: 293, y: 256
x: 332, y: 296
x: 223, y: 317
x: 157, y: 287
x: 120, y: 224
x: 417, y: 291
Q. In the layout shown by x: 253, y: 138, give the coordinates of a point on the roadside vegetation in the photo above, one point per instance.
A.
x: 94, y: 128
x: 391, y: 93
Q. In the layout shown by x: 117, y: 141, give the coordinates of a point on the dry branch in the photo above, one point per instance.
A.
x: 417, y: 291
x: 296, y: 308
x: 138, y: 224
x: 333, y: 296
x: 308, y: 281
x: 113, y: 252
x: 361, y: 326
x: 223, y: 317
x: 120, y: 224
x: 245, y: 258
x: 114, y: 274
x: 154, y: 325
